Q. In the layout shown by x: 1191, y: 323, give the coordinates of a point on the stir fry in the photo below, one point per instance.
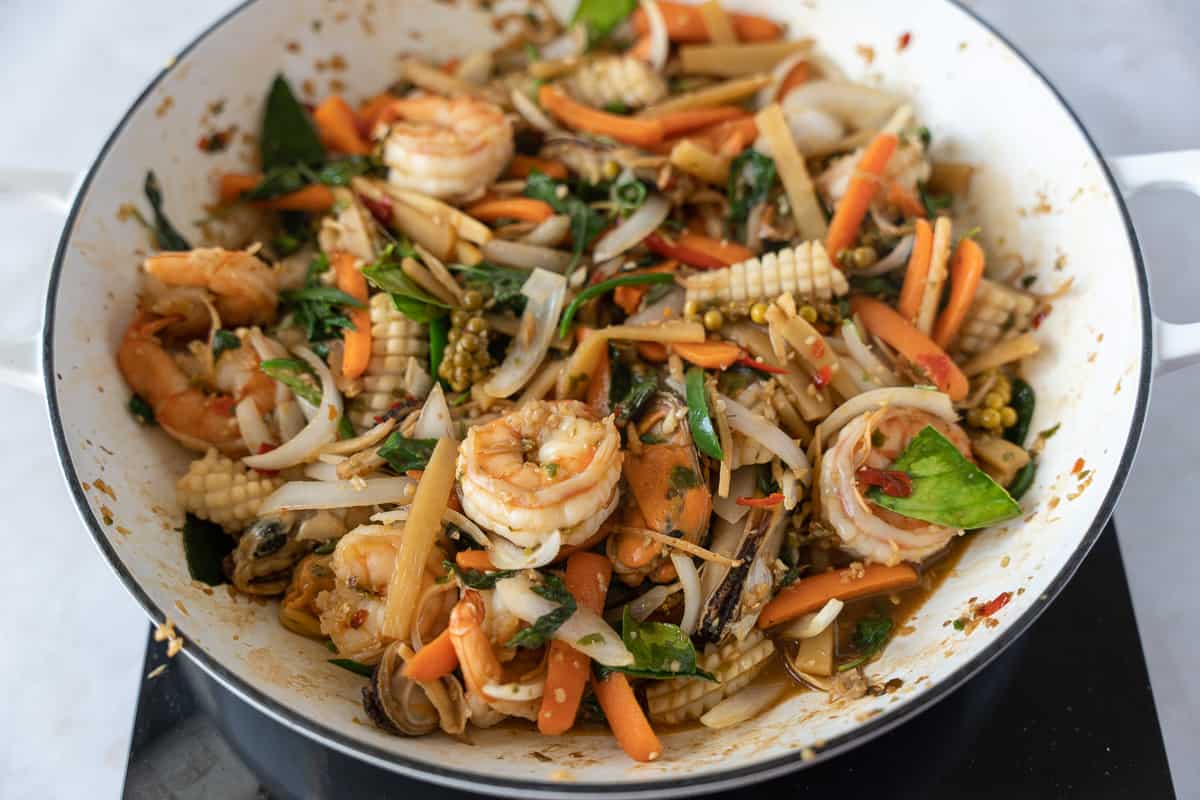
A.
x: 583, y: 380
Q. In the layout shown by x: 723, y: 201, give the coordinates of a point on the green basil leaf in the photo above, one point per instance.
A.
x: 345, y: 429
x: 947, y: 489
x: 660, y: 650
x: 475, y: 579
x: 141, y: 410
x: 288, y: 371
x: 586, y: 223
x: 543, y: 628
x: 321, y: 294
x: 358, y: 668
x: 339, y: 171
x: 404, y: 454
x: 224, y: 340
x: 504, y: 282
x: 870, y: 635
x: 318, y: 308
x: 166, y: 236
x: 387, y: 273
x: 288, y: 136
x: 751, y: 176
x: 933, y: 202
x: 205, y: 545
x: 602, y: 16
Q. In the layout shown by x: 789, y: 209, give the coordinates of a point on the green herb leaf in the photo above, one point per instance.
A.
x: 141, y: 410
x: 627, y: 195
x: 205, y: 545
x: 660, y: 650
x: 1023, y: 402
x: 732, y: 381
x: 765, y: 481
x: 543, y: 628
x: 326, y: 548
x: 933, y: 202
x: 751, y: 176
x: 404, y: 454
x: 946, y: 488
x: 345, y: 429
x: 387, y: 274
x: 475, y: 579
x: 288, y: 136
x: 883, y: 287
x: 703, y: 432
x: 586, y: 223
x: 294, y: 177
x: 602, y: 16
x: 289, y: 372
x: 870, y: 635
x: 504, y: 282
x: 357, y: 667
x: 317, y: 308
x: 339, y: 171
x: 631, y: 404
x: 616, y: 107
x: 591, y: 292
x: 166, y: 236
x: 224, y: 340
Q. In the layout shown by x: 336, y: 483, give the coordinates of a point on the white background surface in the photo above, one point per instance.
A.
x: 74, y: 639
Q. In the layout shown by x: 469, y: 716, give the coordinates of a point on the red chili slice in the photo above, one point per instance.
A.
x: 381, y: 208
x: 770, y: 501
x: 891, y: 482
x: 823, y: 376
x: 993, y: 605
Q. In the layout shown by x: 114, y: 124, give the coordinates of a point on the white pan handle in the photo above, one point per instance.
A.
x: 1176, y: 345
x: 51, y: 189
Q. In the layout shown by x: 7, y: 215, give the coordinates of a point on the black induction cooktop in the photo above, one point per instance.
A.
x: 1066, y: 712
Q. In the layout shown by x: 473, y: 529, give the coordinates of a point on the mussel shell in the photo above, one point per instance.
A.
x: 721, y: 607
x: 406, y: 708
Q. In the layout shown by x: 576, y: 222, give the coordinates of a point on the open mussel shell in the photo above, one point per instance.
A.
x: 744, y: 588
x: 267, y: 551
x: 407, y: 708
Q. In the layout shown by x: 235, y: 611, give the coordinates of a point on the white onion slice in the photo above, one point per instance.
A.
x: 632, y: 231
x: 744, y: 705
x: 689, y: 578
x: 320, y: 430
x: 547, y: 294
x: 790, y: 487
x: 467, y: 526
x: 746, y: 422
x: 288, y: 416
x: 660, y: 45
x: 549, y: 232
x: 585, y: 630
x: 321, y: 471
x: 930, y: 400
x: 813, y: 624
x: 434, y: 421
x: 669, y: 307
x: 863, y: 356
x: 768, y: 94
x: 570, y: 44
x: 893, y: 260
x: 303, y: 495
x: 646, y: 604
x: 506, y: 555
x: 532, y: 114
x: 741, y: 484
x: 526, y: 256
x: 858, y: 106
x: 364, y: 440
x: 250, y: 423
x: 516, y: 691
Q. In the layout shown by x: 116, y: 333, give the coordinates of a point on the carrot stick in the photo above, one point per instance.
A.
x: 810, y: 594
x: 685, y: 24
x: 314, y: 199
x: 710, y: 355
x: 904, y: 200
x: 357, y: 340
x: 680, y: 122
x: 629, y: 298
x: 588, y: 575
x: 338, y: 126
x: 630, y: 130
x: 521, y: 167
x: 474, y: 559
x: 843, y: 228
x: 966, y: 271
x: 654, y: 352
x: 435, y: 660
x: 525, y: 209
x: 626, y: 718
x: 883, y: 321
x: 715, y: 136
x: 699, y: 251
x: 918, y: 270
x: 797, y: 76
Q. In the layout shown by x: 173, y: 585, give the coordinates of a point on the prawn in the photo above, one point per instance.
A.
x: 545, y: 467
x: 481, y: 668
x: 447, y: 148
x: 245, y: 290
x: 876, y: 439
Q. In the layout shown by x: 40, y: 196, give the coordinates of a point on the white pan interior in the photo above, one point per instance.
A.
x: 1040, y: 195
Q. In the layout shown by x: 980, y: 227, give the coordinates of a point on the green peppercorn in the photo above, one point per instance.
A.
x: 461, y: 377
x: 713, y: 319
x: 758, y: 313
x: 452, y: 335
x: 461, y: 358
x: 989, y: 418
x: 691, y: 308
x: 1008, y: 416
x: 477, y: 325
x: 472, y: 300
x: 974, y: 419
x: 993, y: 400
x: 864, y: 257
x: 469, y: 342
x: 445, y: 369
x: 809, y: 313
x: 459, y: 318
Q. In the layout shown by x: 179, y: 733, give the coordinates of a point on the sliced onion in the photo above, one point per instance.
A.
x: 416, y: 378
x: 570, y: 44
x: 526, y: 256
x: 790, y: 488
x: 747, y: 423
x: 304, y: 495
x: 361, y: 442
x: 585, y: 630
x: 250, y: 423
x: 646, y: 604
x: 812, y: 624
x: 603, y: 270
x: 549, y: 232
x: 863, y: 356
x: 632, y: 231
x: 321, y: 471
x: 689, y: 578
x: 516, y: 691
x: 893, y: 260
x: 770, y: 93
x: 930, y: 400
x: 532, y: 114
x: 320, y: 430
x: 288, y: 416
x: 506, y: 555
x: 858, y: 106
x: 547, y: 294
x: 467, y: 526
x: 434, y: 421
x: 660, y: 45
x: 743, y: 705
x: 741, y: 484
x: 669, y: 307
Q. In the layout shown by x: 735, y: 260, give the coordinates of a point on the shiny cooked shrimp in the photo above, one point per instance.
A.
x: 452, y: 149
x: 197, y: 420
x: 237, y: 373
x: 546, y: 467
x: 481, y: 668
x: 876, y: 439
x: 245, y: 290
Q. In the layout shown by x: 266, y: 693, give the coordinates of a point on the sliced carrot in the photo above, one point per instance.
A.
x: 630, y: 130
x: 654, y: 352
x: 966, y: 271
x: 797, y: 76
x: 883, y: 321
x: 314, y: 199
x: 843, y: 228
x: 685, y: 24
x: 770, y: 501
x: 435, y: 660
x: 626, y: 718
x: 710, y: 355
x: 698, y: 251
x: 918, y: 270
x: 681, y: 122
x: 474, y: 559
x: 588, y: 576
x: 716, y: 136
x: 905, y: 200
x: 338, y: 126
x: 525, y: 209
x: 629, y: 298
x: 369, y: 111
x: 522, y: 166
x: 234, y: 185
x: 357, y: 340
x: 811, y: 594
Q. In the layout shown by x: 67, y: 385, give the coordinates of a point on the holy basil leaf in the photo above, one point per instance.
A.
x: 294, y: 177
x: 387, y: 273
x: 141, y: 410
x: 476, y: 579
x: 505, y: 283
x: 933, y: 203
x: 288, y: 371
x: 635, y: 399
x: 947, y: 489
x: 543, y: 627
x: 751, y: 176
x: 404, y: 454
x: 870, y: 635
x: 166, y: 237
x: 205, y: 545
x: 339, y: 171
x: 357, y: 667
x: 660, y: 650
x: 318, y: 308
x: 601, y: 16
x: 224, y: 340
x: 288, y: 137
x: 586, y: 223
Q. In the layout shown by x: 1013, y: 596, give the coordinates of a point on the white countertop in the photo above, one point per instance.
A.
x: 74, y: 638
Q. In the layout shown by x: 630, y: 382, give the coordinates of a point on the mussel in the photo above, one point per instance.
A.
x: 739, y: 593
x: 407, y: 708
x: 267, y: 551
x: 297, y: 610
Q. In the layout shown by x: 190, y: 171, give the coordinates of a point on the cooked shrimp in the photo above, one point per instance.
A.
x: 237, y: 373
x: 907, y: 168
x: 451, y: 149
x: 480, y: 665
x: 245, y: 290
x: 196, y: 419
x: 546, y: 467
x: 875, y: 440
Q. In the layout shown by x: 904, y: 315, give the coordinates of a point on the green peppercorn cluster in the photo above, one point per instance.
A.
x: 466, y: 360
x: 713, y: 317
x: 994, y: 414
x: 861, y: 257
